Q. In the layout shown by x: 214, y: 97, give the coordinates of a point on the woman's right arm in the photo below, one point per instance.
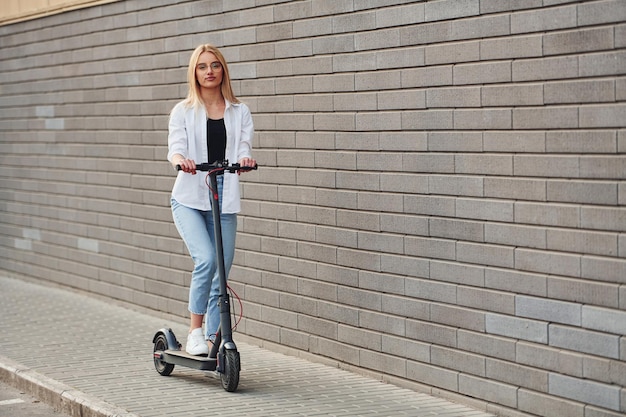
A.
x: 177, y: 137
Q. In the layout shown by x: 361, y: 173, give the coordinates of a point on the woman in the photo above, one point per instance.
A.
x: 211, y: 124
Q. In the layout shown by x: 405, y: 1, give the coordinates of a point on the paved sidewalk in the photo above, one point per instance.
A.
x: 94, y: 358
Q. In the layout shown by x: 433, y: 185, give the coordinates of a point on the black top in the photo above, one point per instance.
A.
x: 216, y: 139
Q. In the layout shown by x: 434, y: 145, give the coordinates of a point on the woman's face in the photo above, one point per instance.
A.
x: 209, y: 70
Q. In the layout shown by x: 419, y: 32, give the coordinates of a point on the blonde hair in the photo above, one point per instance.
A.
x: 193, y: 96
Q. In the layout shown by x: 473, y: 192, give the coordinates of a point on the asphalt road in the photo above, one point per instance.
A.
x: 15, y: 403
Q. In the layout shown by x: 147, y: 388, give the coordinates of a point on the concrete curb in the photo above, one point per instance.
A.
x: 56, y: 394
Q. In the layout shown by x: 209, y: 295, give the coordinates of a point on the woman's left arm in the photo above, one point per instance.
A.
x: 244, y: 148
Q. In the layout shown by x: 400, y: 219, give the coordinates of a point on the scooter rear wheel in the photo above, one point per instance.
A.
x: 160, y: 344
x: 232, y: 366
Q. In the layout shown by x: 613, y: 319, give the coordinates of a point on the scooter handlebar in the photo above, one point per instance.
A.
x: 224, y: 166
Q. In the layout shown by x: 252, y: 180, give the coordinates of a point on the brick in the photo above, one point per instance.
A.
x: 359, y: 337
x: 582, y: 242
x: 548, y: 262
x: 331, y: 44
x: 604, y: 269
x: 407, y: 57
x: 359, y: 298
x: 379, y: 80
x: 582, y: 141
x: 409, y: 224
x: 427, y: 77
x: 359, y: 101
x: 438, y: 206
x: 548, y: 310
x: 513, y: 188
x: 583, y: 291
x: 517, y: 375
x: 404, y: 265
x: 537, y: 403
x: 335, y: 121
x: 382, y: 323
x: 606, y: 396
x: 406, y: 348
x: 603, y: 12
x: 574, y: 41
x: 511, y: 47
x: 444, y: 10
x: 392, y: 100
x: 488, y: 389
x: 430, y: 290
x: 518, y: 328
x: 482, y: 73
x: 457, y: 229
x: 452, y: 53
x: 545, y: 69
x: 430, y: 248
x: 513, y: 235
x: 317, y: 103
x: 453, y: 185
x: 579, y: 92
x: 486, y: 300
x: 404, y: 183
x: 335, y: 236
x: 604, y: 319
x: 604, y: 370
x: 457, y: 360
x: 379, y: 39
x: 293, y: 85
x: 427, y: 120
x: 375, y: 122
x: 586, y: 341
x: 512, y: 95
x: 484, y: 209
x: 380, y: 362
x: 431, y: 163
x: 333, y: 83
x: 457, y: 273
x: 433, y: 376
x: 372, y: 201
x: 483, y: 164
x: 603, y: 115
x: 357, y: 220
x: 489, y: 119
x: 546, y: 118
x: 603, y: 218
x: 494, y: 346
x: 453, y: 141
x: 365, y: 61
x: 358, y: 141
x: 608, y: 63
x: 337, y: 312
x: 543, y: 19
x: 403, y: 306
x: 483, y: 254
x: 460, y: 317
x: 543, y: 214
x: 549, y: 358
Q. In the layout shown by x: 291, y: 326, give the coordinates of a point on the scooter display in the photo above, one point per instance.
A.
x: 223, y: 356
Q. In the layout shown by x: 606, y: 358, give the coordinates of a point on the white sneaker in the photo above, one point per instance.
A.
x: 196, y: 345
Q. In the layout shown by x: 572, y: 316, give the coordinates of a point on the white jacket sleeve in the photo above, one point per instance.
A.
x: 177, y: 140
x: 244, y: 149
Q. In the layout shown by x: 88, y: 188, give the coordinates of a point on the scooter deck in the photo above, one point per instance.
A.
x: 180, y: 357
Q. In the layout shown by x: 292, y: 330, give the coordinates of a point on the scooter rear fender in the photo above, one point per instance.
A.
x: 172, y: 343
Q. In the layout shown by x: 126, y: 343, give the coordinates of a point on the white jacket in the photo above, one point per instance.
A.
x: 187, y: 137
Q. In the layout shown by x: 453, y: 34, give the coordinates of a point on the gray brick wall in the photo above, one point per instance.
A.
x: 441, y: 199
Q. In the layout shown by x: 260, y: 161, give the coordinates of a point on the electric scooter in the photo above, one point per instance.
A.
x: 223, y: 356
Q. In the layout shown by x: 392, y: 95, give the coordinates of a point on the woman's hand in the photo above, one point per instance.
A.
x: 187, y: 165
x: 246, y: 162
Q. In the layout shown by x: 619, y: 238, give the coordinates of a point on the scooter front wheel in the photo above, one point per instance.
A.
x: 160, y: 345
x: 232, y: 366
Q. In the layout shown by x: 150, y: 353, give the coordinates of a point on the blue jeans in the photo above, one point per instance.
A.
x: 196, y: 229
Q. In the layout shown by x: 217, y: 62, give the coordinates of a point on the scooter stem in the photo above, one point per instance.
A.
x: 224, y: 299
